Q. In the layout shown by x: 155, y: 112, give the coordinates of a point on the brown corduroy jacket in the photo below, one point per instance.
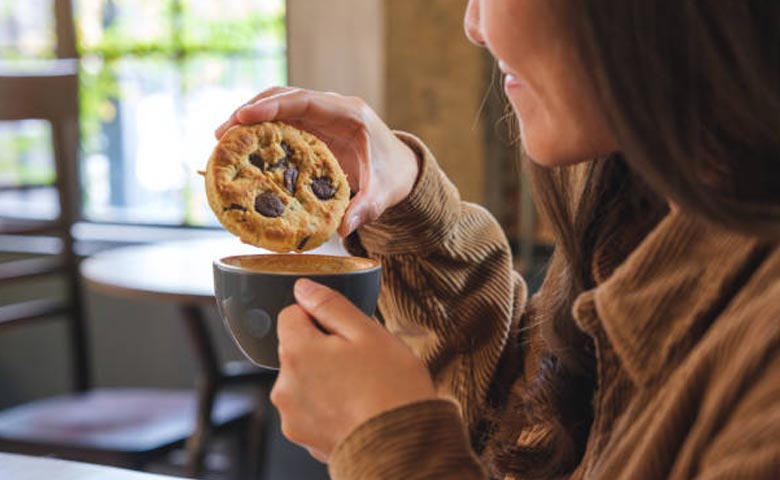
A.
x: 686, y: 330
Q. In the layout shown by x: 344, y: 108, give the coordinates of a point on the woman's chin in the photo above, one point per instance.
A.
x: 549, y: 157
x: 538, y: 146
x: 552, y: 153
x: 557, y: 144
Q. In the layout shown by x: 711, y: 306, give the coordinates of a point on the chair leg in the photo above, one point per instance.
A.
x: 242, y: 469
x: 210, y: 378
x: 196, y: 444
x: 259, y: 432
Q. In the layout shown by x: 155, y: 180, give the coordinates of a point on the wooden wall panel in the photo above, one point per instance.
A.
x: 338, y: 45
x: 435, y: 85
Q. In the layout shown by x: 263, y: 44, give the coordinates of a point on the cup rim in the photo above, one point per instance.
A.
x: 220, y: 264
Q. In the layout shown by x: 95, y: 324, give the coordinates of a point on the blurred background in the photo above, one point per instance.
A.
x: 154, y: 78
x: 151, y: 81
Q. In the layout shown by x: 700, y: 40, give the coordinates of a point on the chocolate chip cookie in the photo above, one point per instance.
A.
x: 276, y: 187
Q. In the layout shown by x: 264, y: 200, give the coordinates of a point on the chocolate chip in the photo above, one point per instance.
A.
x: 234, y: 206
x: 283, y: 162
x: 280, y: 164
x: 323, y: 188
x: 303, y: 242
x: 269, y: 204
x: 288, y: 151
x: 257, y: 161
x: 290, y: 178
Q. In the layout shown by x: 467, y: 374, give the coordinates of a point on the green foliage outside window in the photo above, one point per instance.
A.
x: 188, y: 35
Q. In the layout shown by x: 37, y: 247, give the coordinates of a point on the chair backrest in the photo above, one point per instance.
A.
x: 48, y: 90
x: 66, y: 31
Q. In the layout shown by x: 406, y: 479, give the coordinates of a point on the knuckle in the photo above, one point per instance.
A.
x: 297, y: 91
x: 287, y: 321
x: 373, y: 210
x: 289, y: 432
x: 363, y: 110
x: 327, y: 298
x: 286, y: 358
x: 357, y: 102
x: 279, y: 395
x: 283, y: 319
x: 272, y: 90
x: 283, y: 335
x: 317, y: 455
x: 271, y: 93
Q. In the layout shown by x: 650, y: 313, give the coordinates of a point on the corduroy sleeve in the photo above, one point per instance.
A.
x: 449, y: 292
x: 422, y: 441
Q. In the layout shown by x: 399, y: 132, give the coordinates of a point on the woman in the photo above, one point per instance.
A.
x: 653, y: 348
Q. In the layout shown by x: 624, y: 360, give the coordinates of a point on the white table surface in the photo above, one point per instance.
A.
x: 170, y: 271
x: 22, y: 467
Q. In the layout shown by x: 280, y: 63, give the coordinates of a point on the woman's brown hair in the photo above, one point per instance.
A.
x: 691, y: 91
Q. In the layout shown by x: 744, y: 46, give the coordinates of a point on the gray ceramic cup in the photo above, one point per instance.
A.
x: 251, y: 290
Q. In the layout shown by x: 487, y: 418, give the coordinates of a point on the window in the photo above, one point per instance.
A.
x: 157, y: 76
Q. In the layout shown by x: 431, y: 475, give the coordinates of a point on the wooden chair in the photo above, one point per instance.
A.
x: 123, y: 427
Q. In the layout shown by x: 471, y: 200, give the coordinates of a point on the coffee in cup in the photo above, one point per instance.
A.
x: 297, y: 264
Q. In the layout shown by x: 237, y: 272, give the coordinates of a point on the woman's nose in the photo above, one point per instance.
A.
x: 471, y: 23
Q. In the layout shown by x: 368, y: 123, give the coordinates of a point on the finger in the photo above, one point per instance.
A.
x: 349, y: 224
x: 362, y: 210
x: 294, y: 326
x: 333, y: 311
x: 220, y: 131
x: 318, y: 455
x: 315, y: 107
x: 269, y: 92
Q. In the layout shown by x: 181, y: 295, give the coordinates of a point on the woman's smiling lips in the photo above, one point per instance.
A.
x: 511, y: 81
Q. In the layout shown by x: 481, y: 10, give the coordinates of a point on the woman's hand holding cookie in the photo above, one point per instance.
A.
x: 381, y: 169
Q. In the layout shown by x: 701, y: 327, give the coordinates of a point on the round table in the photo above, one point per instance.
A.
x: 178, y: 271
x: 181, y: 272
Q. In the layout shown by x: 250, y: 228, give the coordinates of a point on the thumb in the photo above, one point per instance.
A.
x: 333, y: 311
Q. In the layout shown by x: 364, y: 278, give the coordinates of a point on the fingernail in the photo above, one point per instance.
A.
x: 241, y: 110
x: 353, y: 222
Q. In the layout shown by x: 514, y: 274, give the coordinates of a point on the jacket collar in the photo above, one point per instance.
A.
x: 658, y: 303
